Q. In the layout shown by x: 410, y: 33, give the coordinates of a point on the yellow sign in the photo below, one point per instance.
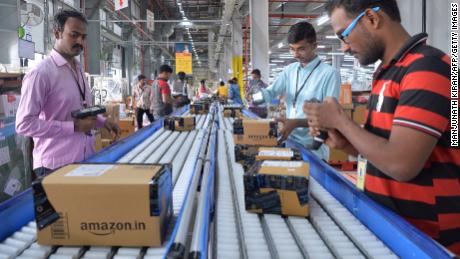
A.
x: 184, y: 62
x: 237, y: 67
x: 183, y: 58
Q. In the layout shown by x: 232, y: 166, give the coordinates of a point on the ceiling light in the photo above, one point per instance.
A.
x: 280, y: 45
x: 332, y: 37
x: 321, y: 46
x: 186, y: 23
x: 322, y: 20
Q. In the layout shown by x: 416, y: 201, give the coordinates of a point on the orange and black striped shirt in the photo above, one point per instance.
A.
x: 414, y: 91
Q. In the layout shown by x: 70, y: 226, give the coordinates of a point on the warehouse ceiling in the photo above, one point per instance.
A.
x: 282, y: 15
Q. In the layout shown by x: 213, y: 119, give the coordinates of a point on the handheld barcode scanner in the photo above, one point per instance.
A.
x: 86, y: 112
x: 258, y: 98
x: 321, y: 138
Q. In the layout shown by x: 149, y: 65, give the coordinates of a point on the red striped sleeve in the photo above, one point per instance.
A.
x: 399, y: 190
x: 447, y: 188
x: 424, y: 117
x: 382, y: 120
x: 430, y: 228
x: 428, y: 81
x: 445, y: 155
x: 449, y: 221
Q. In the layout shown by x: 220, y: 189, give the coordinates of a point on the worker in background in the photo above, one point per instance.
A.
x: 234, y: 94
x: 50, y: 92
x: 160, y: 97
x: 222, y: 91
x: 411, y: 166
x: 142, y: 97
x: 303, y: 80
x: 256, y: 83
x: 203, y: 90
x: 180, y: 88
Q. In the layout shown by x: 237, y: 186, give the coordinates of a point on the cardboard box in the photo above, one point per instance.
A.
x: 274, y: 153
x: 246, y: 155
x: 106, y: 142
x: 278, y: 187
x: 112, y: 111
x: 235, y: 111
x: 345, y: 96
x: 348, y: 109
x: 104, y: 205
x: 359, y: 114
x: 98, y: 144
x: 255, y: 132
x: 199, y: 108
x: 176, y: 123
x: 337, y: 156
x: 126, y: 127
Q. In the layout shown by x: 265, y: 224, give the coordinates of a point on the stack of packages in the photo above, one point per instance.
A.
x: 275, y: 179
x: 116, y: 112
x: 179, y: 123
x: 233, y: 111
x: 200, y: 107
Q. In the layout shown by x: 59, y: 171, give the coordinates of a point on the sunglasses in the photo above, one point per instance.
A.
x: 344, y: 35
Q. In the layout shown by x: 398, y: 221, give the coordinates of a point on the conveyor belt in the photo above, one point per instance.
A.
x: 285, y: 237
x: 331, y: 231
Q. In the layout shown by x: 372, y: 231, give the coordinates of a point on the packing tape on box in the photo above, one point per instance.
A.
x: 157, y: 183
x: 268, y: 202
x: 254, y: 182
x: 45, y: 214
x: 238, y: 128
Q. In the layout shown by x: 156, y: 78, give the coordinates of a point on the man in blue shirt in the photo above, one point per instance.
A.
x: 234, y: 92
x: 307, y: 79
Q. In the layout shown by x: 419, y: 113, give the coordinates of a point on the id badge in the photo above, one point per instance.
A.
x: 361, y: 174
x: 292, y: 113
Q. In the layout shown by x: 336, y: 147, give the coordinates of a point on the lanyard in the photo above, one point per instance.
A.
x: 82, y: 92
x: 297, y: 91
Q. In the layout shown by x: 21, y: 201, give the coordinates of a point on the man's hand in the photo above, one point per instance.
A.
x: 85, y: 125
x: 112, y: 127
x: 288, y: 125
x: 323, y: 115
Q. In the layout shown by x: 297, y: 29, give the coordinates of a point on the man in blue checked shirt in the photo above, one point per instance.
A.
x: 307, y: 79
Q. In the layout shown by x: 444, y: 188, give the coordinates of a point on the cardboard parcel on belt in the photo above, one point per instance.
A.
x: 104, y: 205
x: 278, y: 187
x: 176, y: 123
x: 255, y: 132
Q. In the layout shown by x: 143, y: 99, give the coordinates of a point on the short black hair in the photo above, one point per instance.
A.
x: 61, y: 17
x: 222, y: 83
x: 256, y: 72
x: 301, y: 31
x: 354, y: 7
x: 140, y: 77
x: 181, y: 75
x: 203, y: 81
x: 165, y: 68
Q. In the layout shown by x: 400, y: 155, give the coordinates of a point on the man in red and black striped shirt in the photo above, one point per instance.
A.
x: 411, y: 169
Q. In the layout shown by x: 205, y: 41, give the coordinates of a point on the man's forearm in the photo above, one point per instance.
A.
x: 300, y: 123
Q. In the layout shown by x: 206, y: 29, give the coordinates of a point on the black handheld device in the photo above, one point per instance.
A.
x: 318, y: 140
x: 86, y: 112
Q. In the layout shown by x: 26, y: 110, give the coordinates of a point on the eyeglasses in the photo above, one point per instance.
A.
x: 344, y: 35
